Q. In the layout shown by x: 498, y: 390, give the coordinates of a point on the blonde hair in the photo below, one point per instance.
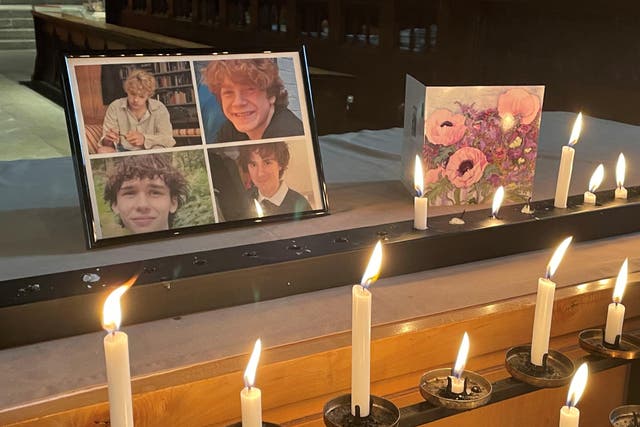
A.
x: 262, y: 73
x: 141, y: 83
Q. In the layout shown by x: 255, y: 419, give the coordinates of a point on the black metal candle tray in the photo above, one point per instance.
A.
x: 426, y: 412
x: 30, y: 308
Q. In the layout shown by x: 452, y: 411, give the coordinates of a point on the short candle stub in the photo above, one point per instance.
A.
x: 527, y: 209
x: 435, y: 387
x: 450, y: 394
x: 337, y: 413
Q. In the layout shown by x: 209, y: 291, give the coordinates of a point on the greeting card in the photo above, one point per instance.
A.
x: 472, y: 140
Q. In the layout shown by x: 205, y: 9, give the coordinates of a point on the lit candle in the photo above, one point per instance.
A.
x: 594, y: 183
x: 621, y: 192
x: 457, y: 382
x: 497, y: 202
x: 566, y: 166
x: 116, y: 354
x: 569, y: 414
x: 361, y: 336
x: 420, y: 203
x: 250, y: 396
x: 544, y: 306
x: 615, y: 314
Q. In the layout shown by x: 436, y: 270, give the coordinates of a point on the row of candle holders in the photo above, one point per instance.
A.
x: 533, y: 364
x: 455, y: 389
x: 438, y: 386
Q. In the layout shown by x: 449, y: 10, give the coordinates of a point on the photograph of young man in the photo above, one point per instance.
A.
x: 137, y: 121
x: 266, y: 164
x: 145, y: 192
x: 253, y: 99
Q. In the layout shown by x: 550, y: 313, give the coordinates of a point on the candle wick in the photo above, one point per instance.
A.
x: 462, y: 214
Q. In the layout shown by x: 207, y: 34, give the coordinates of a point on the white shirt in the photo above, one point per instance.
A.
x: 279, y: 195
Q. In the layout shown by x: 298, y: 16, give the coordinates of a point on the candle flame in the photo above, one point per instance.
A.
x: 596, y: 178
x: 111, y: 312
x: 252, y: 366
x: 578, y: 384
x: 497, y: 201
x: 461, y: 360
x: 575, y: 133
x: 621, y: 282
x: 557, y: 257
x: 621, y: 167
x: 258, y: 208
x: 373, y: 268
x: 418, y: 177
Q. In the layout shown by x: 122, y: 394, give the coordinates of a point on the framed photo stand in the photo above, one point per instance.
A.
x: 168, y: 143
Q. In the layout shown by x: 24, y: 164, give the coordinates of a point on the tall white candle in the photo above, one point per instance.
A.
x: 566, y: 166
x: 420, y: 203
x: 361, y: 336
x: 456, y: 378
x: 621, y: 166
x: 250, y: 396
x: 569, y: 414
x: 542, y: 320
x: 594, y: 183
x: 615, y: 313
x: 544, y: 306
x: 116, y: 353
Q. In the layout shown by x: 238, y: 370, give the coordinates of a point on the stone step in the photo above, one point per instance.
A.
x: 15, y: 22
x: 15, y: 11
x: 17, y: 44
x: 17, y: 33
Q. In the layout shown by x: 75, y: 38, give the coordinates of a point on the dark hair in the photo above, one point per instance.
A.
x: 279, y: 149
x: 146, y: 166
x: 261, y: 73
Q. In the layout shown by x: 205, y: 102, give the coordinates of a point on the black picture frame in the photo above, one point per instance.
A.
x: 200, y: 141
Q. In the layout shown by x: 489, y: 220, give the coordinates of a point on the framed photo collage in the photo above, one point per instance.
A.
x: 168, y: 143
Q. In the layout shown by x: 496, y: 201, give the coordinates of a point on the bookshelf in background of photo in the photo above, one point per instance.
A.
x: 176, y: 91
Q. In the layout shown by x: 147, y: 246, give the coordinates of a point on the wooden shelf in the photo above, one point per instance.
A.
x: 297, y: 379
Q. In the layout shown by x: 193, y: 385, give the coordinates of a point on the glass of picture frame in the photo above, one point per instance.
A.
x: 168, y: 143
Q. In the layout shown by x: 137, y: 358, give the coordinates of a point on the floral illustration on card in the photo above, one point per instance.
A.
x: 479, y: 138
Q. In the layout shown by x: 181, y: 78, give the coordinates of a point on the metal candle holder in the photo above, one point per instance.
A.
x: 625, y: 416
x: 625, y: 347
x: 382, y: 413
x: 435, y: 387
x: 556, y: 370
